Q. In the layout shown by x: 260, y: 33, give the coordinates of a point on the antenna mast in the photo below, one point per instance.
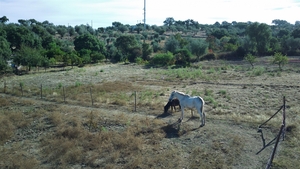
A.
x: 144, y: 14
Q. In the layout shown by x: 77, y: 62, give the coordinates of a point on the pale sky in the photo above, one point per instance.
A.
x: 101, y: 13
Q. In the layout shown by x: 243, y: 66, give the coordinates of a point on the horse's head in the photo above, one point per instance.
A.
x: 167, y: 106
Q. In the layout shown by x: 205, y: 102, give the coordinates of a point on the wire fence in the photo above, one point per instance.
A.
x: 87, y: 95
x: 279, y: 136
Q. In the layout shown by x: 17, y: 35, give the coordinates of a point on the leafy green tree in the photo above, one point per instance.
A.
x: 156, y: 46
x: 97, y: 56
x: 90, y: 30
x: 85, y: 55
x: 139, y: 27
x: 3, y: 19
x: 18, y: 35
x: 280, y: 59
x: 120, y: 27
x: 3, y: 64
x: 71, y: 31
x: 159, y: 29
x: 274, y: 45
x: 183, y: 57
x: 147, y: 50
x: 251, y: 59
x: 172, y: 44
x: 39, y: 30
x: 5, y: 51
x: 112, y: 53
x: 282, y: 33
x: 51, y: 30
x: 219, y: 33
x: 198, y: 47
x: 24, y: 22
x: 260, y: 35
x: 89, y: 42
x: 45, y: 62
x: 182, y: 41
x: 279, y: 22
x: 81, y: 29
x: 292, y: 46
x: 27, y: 56
x: 54, y: 51
x: 296, y: 33
x: 123, y: 28
x: 125, y: 45
x: 61, y: 30
x: 74, y: 59
x: 116, y: 24
x: 136, y: 52
x: 169, y: 22
x: 212, y: 42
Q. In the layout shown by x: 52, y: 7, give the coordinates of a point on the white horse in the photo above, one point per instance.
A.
x: 187, y: 101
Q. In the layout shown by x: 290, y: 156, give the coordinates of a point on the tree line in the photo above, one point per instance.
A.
x: 31, y: 43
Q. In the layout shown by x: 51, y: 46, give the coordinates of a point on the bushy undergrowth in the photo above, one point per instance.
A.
x: 163, y: 59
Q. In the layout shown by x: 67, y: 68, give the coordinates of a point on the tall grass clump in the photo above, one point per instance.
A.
x: 257, y: 71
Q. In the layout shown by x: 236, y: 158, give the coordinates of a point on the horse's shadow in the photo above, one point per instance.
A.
x: 192, y: 118
x: 163, y: 115
x: 174, y: 131
x: 171, y: 131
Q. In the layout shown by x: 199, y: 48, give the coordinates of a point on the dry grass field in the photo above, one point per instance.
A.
x: 86, y: 117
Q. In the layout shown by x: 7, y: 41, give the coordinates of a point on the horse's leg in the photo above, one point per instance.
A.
x: 202, y: 117
x: 182, y: 111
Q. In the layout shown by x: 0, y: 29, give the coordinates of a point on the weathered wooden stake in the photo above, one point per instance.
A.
x: 283, y: 119
x: 274, y: 149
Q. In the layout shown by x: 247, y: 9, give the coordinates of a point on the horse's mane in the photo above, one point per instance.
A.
x: 181, y: 93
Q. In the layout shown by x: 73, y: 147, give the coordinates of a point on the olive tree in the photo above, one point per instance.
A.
x: 251, y: 59
x: 198, y: 47
x: 260, y: 35
x: 280, y: 59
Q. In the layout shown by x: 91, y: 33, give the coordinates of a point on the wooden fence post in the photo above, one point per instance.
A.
x: 274, y: 149
x: 283, y: 119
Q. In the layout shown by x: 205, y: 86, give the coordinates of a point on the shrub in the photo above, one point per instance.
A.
x: 163, y: 59
x: 183, y: 57
x: 209, y: 56
x: 251, y: 59
x: 280, y: 59
x: 156, y: 47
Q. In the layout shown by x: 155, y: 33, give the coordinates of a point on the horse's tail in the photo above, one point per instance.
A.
x: 202, y: 107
